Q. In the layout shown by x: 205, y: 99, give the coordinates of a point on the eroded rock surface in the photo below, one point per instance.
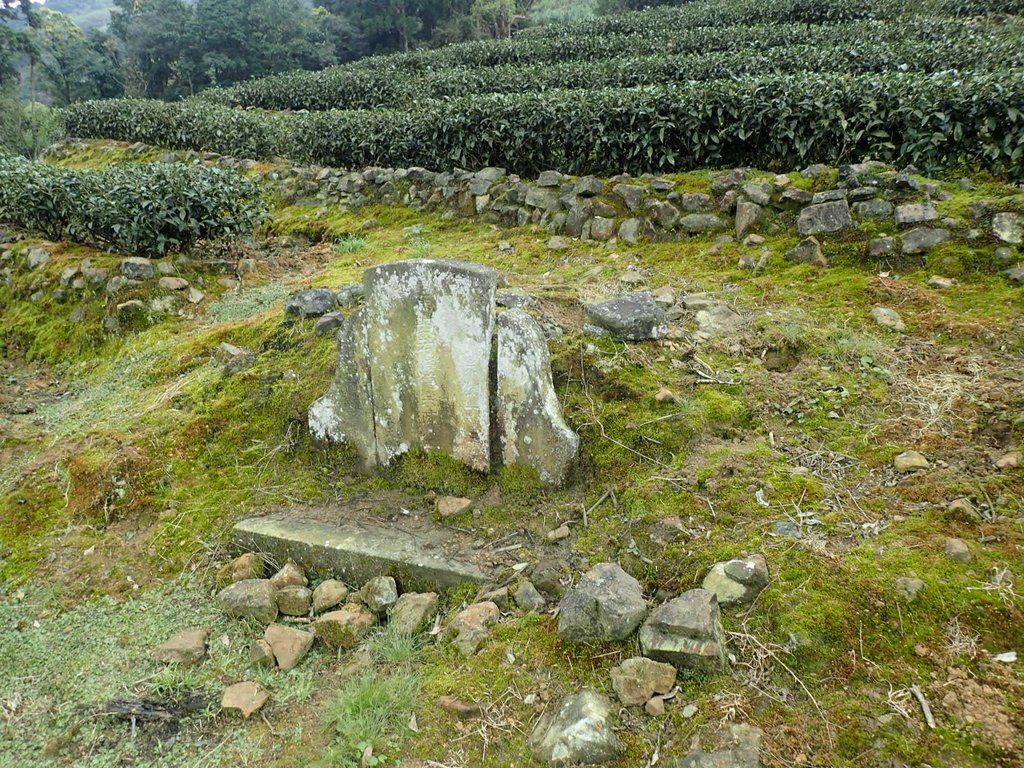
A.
x: 415, y: 371
x: 686, y: 632
x: 578, y: 732
x: 607, y: 604
x: 529, y: 417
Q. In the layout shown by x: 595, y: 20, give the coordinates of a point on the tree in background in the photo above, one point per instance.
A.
x: 74, y: 67
x: 240, y: 39
x: 497, y: 18
x: 154, y: 37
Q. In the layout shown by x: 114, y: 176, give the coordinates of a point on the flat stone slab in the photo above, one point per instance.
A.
x: 356, y: 552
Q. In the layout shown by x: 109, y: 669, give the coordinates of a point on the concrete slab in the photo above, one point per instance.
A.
x: 357, y: 551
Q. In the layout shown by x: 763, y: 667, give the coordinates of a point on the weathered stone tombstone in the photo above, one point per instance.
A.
x: 415, y: 370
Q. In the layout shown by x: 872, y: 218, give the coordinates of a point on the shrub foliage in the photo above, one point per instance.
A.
x: 776, y: 121
x: 148, y: 209
x: 924, y: 45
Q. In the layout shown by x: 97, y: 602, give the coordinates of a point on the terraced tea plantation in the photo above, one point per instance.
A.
x: 776, y: 85
x: 770, y: 262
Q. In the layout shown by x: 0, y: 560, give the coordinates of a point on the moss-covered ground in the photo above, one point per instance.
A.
x: 126, y: 456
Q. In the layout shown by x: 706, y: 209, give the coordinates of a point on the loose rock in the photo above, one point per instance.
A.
x: 888, y: 318
x: 922, y: 239
x: 578, y: 732
x: 910, y: 461
x: 379, y: 594
x: 739, y: 747
x: 329, y: 594
x: 631, y: 317
x: 915, y: 213
x: 247, y: 566
x: 470, y: 628
x: 636, y: 680
x: 288, y: 645
x: 137, y: 268
x: 1009, y: 227
x: 250, y: 597
x: 345, y: 627
x: 413, y: 612
x: 450, y: 506
x: 824, y: 217
x: 294, y: 600
x: 187, y: 648
x: 290, y: 575
x: 736, y: 582
x: 957, y: 549
x: 907, y: 588
x: 261, y: 654
x: 808, y: 251
x: 607, y: 604
x: 528, y: 598
x: 686, y: 632
x: 245, y: 698
x: 311, y: 303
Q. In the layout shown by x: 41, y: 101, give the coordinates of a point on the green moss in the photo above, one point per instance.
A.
x: 435, y: 472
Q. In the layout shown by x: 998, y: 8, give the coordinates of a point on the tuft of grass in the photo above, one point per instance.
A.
x: 350, y: 244
x: 234, y: 307
x: 371, y: 711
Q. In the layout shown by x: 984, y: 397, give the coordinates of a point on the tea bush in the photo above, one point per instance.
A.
x: 147, y: 209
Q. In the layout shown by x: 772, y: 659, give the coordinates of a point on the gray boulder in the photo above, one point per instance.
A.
x: 701, y: 222
x: 664, y: 214
x: 629, y: 231
x: 736, y: 582
x: 607, y: 604
x: 631, y: 194
x: 747, y: 215
x: 686, y: 632
x: 602, y: 228
x: 1009, y: 227
x: 717, y: 319
x: 797, y: 196
x: 888, y: 318
x: 579, y: 731
x: 915, y: 213
x: 696, y: 202
x: 881, y: 246
x: 413, y: 612
x: 379, y: 594
x: 329, y: 323
x: 588, y: 186
x: 824, y: 217
x: 349, y: 294
x: 137, y: 268
x: 38, y: 256
x: 528, y: 598
x: 807, y: 251
x: 759, y: 193
x: 549, y: 179
x: 828, y: 196
x: 313, y: 302
x: 631, y: 317
x: 543, y: 198
x: 922, y: 239
x: 874, y: 209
